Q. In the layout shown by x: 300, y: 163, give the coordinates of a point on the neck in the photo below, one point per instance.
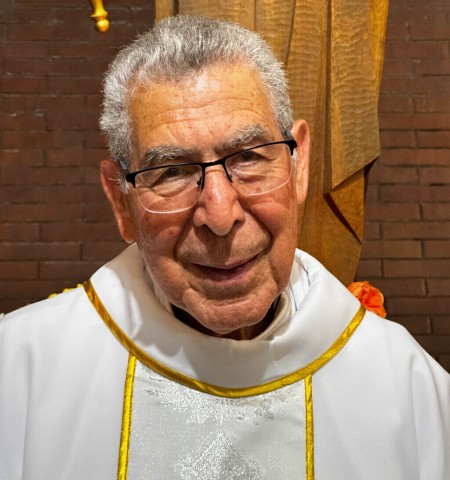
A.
x: 244, y: 333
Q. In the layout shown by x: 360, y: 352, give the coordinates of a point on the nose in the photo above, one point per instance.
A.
x: 218, y: 206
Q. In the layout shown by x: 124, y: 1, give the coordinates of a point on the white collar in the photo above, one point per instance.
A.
x: 322, y: 310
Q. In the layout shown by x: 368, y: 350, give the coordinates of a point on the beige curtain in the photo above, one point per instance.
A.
x: 333, y: 52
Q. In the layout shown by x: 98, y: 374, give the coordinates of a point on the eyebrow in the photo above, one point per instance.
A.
x: 164, y: 154
x: 243, y: 137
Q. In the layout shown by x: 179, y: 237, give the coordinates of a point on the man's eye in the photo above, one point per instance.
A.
x: 250, y: 156
x: 171, y: 173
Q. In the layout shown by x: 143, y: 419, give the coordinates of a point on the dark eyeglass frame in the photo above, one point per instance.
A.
x: 130, y: 177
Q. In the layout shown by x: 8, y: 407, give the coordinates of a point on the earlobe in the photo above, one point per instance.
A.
x: 110, y: 179
x: 300, y: 132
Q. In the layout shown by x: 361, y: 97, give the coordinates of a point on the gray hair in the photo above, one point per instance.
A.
x: 172, y: 50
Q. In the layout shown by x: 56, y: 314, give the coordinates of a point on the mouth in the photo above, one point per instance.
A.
x: 225, y: 273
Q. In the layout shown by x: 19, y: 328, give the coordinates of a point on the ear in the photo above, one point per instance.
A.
x: 300, y: 132
x: 119, y: 201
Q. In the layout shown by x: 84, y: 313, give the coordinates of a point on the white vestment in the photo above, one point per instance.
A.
x: 103, y: 382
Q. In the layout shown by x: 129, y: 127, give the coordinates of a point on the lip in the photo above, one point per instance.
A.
x: 224, y: 273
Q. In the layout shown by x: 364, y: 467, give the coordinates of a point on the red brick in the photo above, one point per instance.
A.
x: 436, y: 211
x: 9, y: 305
x: 398, y: 138
x: 435, y: 31
x: 435, y: 175
x: 444, y: 361
x: 441, y: 325
x: 45, y: 32
x: 41, y: 212
x: 24, y: 15
x: 417, y: 268
x: 19, y: 232
x: 371, y: 230
x: 415, y: 85
x: 94, y: 140
x: 392, y: 211
x: 39, y: 67
x: 434, y: 139
x: 419, y: 121
x: 381, y: 174
x: 414, y: 325
x: 414, y: 193
x: 369, y: 269
x: 33, y: 290
x: 435, y: 66
x: 23, y: 50
x: 63, y: 232
x: 395, y: 103
x: 438, y: 287
x: 94, y: 102
x: 435, y: 343
x: 432, y: 103
x: 73, y: 269
x: 417, y: 230
x: 21, y: 121
x: 38, y: 139
x: 419, y: 306
x: 69, y: 85
x: 43, y: 102
x: 397, y: 31
x: 91, y: 175
x: 15, y: 84
x: 13, y: 194
x: 72, y: 16
x: 41, y: 176
x: 430, y: 3
x: 392, y: 249
x: 82, y: 50
x: 18, y: 270
x: 410, y: 156
x: 102, y: 250
x: 75, y: 157
x: 437, y: 249
x: 74, y: 194
x: 39, y: 250
x: 399, y: 287
x: 72, y: 121
x: 417, y: 49
x: 19, y: 158
x: 420, y: 14
x: 99, y: 212
x: 372, y: 193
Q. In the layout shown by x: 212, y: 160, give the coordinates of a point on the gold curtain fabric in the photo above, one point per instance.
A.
x: 333, y: 52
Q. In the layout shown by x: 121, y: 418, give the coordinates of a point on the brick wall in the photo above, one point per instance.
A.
x: 406, y: 252
x: 55, y: 225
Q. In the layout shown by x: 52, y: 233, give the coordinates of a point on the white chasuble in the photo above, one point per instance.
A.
x: 199, y: 407
x: 103, y: 383
x: 180, y: 433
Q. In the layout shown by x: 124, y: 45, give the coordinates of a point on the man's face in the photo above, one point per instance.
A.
x: 226, y: 259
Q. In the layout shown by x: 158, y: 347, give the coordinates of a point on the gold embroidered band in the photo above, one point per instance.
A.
x: 216, y: 389
x: 126, y: 419
x: 309, y: 429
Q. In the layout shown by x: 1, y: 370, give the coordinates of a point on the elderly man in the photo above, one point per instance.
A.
x: 211, y: 348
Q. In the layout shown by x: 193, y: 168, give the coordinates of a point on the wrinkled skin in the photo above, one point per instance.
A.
x: 224, y: 261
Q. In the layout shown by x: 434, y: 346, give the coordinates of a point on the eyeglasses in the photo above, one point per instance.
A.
x: 177, y: 186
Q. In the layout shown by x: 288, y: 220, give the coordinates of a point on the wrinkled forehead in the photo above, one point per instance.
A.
x: 217, y: 79
x: 219, y: 99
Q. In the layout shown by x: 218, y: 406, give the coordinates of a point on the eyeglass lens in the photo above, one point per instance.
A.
x: 177, y: 187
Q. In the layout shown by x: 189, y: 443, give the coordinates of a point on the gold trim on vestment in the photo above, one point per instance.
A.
x: 309, y: 429
x: 216, y: 389
x: 126, y: 419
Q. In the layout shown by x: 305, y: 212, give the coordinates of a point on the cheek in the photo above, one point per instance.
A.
x: 158, y: 236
